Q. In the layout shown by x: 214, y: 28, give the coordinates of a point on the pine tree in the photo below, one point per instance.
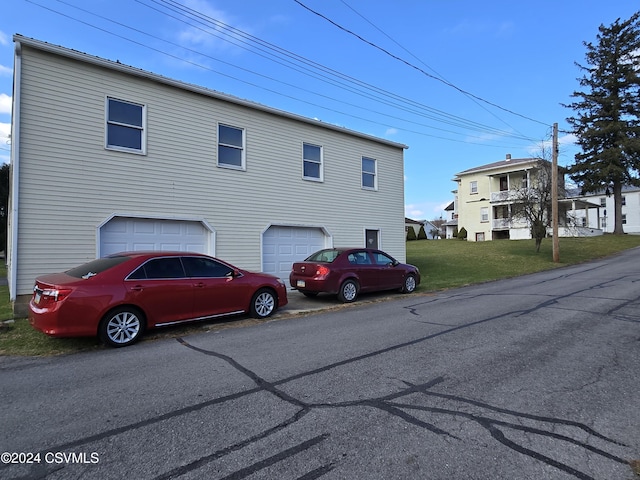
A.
x: 607, y: 118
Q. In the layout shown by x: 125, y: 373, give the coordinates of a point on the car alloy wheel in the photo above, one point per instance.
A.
x: 121, y: 327
x: 348, y: 291
x: 263, y: 303
x: 409, y: 284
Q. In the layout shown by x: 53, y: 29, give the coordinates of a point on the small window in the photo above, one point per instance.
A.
x: 312, y: 162
x: 231, y: 147
x: 484, y: 214
x: 624, y: 200
x: 474, y: 187
x: 201, y: 267
x: 603, y: 202
x: 624, y: 218
x: 125, y: 126
x: 369, y: 173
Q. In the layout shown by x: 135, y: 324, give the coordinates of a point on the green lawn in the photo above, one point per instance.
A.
x: 454, y: 263
x: 443, y: 264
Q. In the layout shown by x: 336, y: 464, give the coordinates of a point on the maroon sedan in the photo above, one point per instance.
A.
x: 120, y: 296
x: 349, y: 271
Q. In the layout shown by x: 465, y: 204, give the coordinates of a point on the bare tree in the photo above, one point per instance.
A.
x: 532, y: 202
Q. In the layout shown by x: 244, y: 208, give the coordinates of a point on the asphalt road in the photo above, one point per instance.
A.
x: 529, y: 378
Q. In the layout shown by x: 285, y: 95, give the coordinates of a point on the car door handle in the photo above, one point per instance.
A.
x: 137, y: 288
x: 200, y: 285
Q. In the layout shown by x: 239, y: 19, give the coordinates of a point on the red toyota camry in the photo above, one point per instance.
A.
x: 120, y: 296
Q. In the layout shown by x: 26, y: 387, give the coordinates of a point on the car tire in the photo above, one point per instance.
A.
x: 263, y: 303
x: 409, y: 284
x: 348, y: 291
x: 310, y: 294
x: 121, y: 327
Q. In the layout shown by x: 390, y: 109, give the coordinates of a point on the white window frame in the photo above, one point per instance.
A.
x: 142, y: 128
x: 374, y: 173
x: 473, y: 187
x: 484, y: 214
x: 242, y: 148
x: 320, y: 177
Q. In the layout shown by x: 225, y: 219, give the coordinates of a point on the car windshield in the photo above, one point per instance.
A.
x: 95, y: 267
x: 324, y: 256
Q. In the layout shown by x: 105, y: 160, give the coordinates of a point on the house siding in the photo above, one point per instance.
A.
x: 70, y: 184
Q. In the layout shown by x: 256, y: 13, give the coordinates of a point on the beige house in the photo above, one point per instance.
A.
x: 487, y: 196
x: 107, y: 157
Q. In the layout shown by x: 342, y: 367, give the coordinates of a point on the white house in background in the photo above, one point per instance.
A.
x: 107, y: 157
x: 602, y: 217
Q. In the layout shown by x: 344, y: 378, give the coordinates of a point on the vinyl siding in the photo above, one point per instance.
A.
x: 70, y: 184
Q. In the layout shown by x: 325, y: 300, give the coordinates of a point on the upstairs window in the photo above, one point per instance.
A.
x: 231, y: 147
x: 473, y: 187
x: 311, y: 162
x: 126, y: 126
x: 369, y: 177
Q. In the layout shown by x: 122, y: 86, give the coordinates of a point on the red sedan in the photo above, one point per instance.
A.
x: 349, y: 271
x: 120, y: 296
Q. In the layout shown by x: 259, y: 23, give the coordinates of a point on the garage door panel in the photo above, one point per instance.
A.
x: 135, y: 234
x: 282, y: 246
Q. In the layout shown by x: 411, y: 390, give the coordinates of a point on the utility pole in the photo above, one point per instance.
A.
x: 554, y: 194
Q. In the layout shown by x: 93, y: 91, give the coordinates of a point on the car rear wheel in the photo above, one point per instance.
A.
x: 263, y: 303
x: 409, y: 284
x: 348, y: 291
x: 121, y: 327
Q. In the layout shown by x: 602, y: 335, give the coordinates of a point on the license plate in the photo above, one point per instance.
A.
x: 36, y: 298
x: 300, y: 284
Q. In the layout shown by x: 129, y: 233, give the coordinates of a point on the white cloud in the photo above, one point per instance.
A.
x: 5, y: 71
x: 426, y: 210
x: 5, y: 103
x: 208, y: 36
x: 4, y: 38
x: 5, y: 129
x: 391, y: 131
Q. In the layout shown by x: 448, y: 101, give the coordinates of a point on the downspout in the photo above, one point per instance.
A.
x: 15, y: 172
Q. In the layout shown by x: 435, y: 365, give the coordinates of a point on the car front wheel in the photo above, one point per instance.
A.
x: 409, y: 284
x: 121, y: 327
x: 263, y: 303
x: 348, y: 291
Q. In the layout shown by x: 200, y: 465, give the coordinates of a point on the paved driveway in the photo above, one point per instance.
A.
x: 528, y: 378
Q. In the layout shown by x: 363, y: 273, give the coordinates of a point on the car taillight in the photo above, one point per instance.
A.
x: 321, y: 272
x: 47, y: 296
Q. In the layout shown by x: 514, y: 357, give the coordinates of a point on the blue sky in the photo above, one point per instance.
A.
x: 461, y: 82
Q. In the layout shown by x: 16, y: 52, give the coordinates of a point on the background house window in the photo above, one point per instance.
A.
x: 125, y: 126
x: 624, y: 218
x: 624, y: 200
x: 368, y: 173
x: 231, y: 147
x: 603, y: 202
x: 484, y: 214
x: 312, y: 162
x: 474, y: 187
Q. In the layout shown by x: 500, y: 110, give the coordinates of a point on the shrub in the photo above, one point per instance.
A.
x: 411, y: 234
x: 462, y: 234
x: 422, y: 235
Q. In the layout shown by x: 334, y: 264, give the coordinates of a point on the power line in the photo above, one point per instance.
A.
x: 464, y: 123
x: 439, y: 79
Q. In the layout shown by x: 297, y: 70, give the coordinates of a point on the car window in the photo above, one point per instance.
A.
x: 323, y: 256
x: 359, y: 258
x: 382, y: 259
x: 95, y: 267
x: 168, y: 267
x: 205, y: 268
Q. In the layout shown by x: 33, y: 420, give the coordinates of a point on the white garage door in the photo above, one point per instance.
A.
x: 133, y: 234
x: 281, y: 246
